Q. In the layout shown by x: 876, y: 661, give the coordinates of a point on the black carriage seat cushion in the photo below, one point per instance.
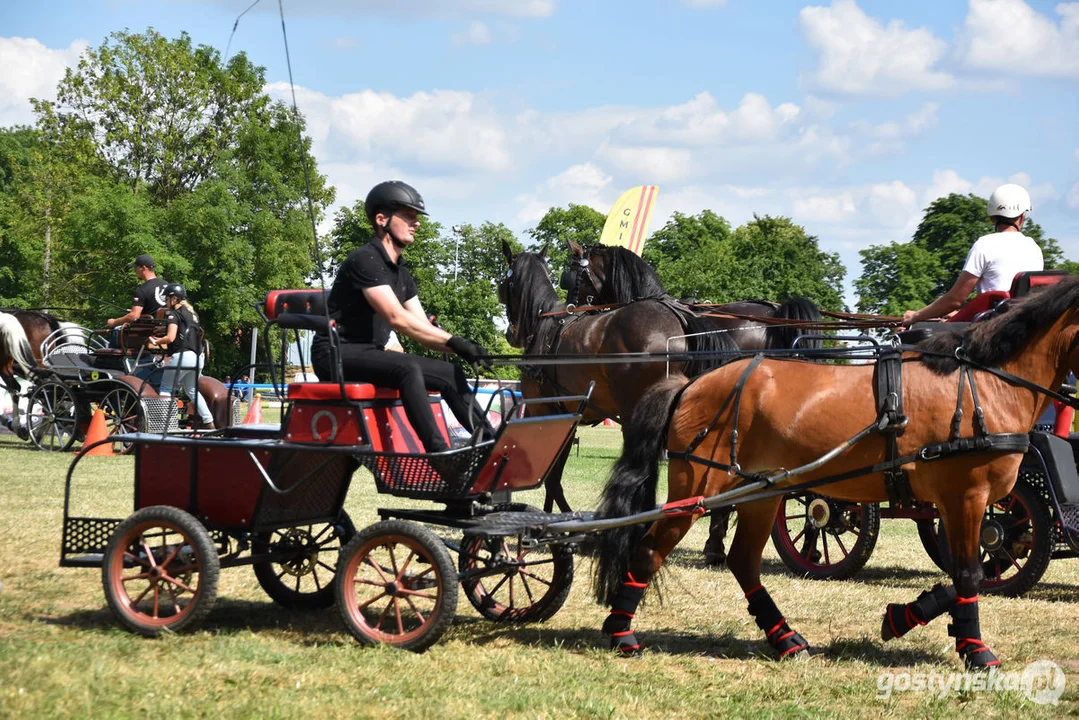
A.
x: 332, y: 391
x: 1059, y: 457
x: 295, y: 302
x: 1024, y: 282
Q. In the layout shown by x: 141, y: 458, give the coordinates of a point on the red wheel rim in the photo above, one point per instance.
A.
x: 393, y: 589
x: 1002, y: 562
x: 155, y: 577
x: 520, y: 590
x: 815, y: 548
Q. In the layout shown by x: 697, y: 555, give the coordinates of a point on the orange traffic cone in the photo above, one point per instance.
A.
x: 98, y: 430
x: 254, y: 411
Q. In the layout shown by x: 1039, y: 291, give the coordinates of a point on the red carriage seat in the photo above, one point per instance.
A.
x: 980, y: 303
x: 1023, y: 283
x: 332, y: 391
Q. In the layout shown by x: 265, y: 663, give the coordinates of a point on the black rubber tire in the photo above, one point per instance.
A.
x: 1020, y: 560
x: 306, y: 581
x: 123, y: 414
x: 512, y: 595
x: 183, y: 568
x: 927, y: 533
x: 408, y: 566
x: 53, y: 415
x: 824, y: 555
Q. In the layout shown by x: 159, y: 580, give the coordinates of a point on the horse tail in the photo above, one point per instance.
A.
x: 795, y: 308
x: 14, y: 343
x: 716, y: 346
x: 631, y: 487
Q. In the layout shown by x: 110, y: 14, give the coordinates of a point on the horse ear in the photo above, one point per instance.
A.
x: 575, y: 247
x: 543, y: 250
x: 507, y: 251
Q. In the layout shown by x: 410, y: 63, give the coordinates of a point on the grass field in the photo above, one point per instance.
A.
x: 62, y: 654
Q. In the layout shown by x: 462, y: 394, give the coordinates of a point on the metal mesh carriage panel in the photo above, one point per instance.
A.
x: 162, y: 414
x: 84, y: 536
x: 310, y: 486
x: 433, y: 477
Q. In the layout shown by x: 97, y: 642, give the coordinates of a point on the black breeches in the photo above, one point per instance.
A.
x: 412, y: 376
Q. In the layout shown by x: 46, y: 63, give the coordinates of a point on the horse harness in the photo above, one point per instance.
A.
x: 890, y: 423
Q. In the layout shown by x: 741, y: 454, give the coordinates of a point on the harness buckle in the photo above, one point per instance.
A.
x: 931, y: 452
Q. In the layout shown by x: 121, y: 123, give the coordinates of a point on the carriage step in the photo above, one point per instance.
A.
x: 500, y: 524
x: 89, y: 560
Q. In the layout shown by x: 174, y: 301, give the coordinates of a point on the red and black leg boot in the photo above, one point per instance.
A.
x: 783, y: 640
x: 901, y: 619
x: 967, y: 632
x: 617, y: 624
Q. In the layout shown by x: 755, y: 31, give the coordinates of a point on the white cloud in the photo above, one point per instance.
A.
x: 477, y: 34
x: 1010, y: 37
x: 860, y: 56
x: 1073, y: 196
x: 584, y: 184
x: 439, y: 129
x: 31, y: 70
x: 944, y: 183
x: 836, y: 208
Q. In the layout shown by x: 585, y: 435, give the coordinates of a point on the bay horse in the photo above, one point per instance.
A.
x: 608, y: 274
x: 818, y: 419
x: 539, y: 325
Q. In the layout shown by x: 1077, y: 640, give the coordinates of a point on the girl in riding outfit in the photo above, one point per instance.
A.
x: 183, y: 339
x: 373, y: 294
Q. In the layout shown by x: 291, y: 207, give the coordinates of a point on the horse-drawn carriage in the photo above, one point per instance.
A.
x: 272, y: 497
x: 79, y: 370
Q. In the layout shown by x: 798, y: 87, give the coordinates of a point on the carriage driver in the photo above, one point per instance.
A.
x: 374, y: 293
x: 994, y: 260
x: 149, y: 296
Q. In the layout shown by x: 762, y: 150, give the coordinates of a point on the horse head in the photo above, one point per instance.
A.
x: 526, y: 292
x: 583, y: 280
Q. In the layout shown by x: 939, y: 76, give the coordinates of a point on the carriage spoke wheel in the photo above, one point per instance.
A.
x: 303, y: 579
x: 53, y: 416
x: 508, y: 582
x: 160, y: 571
x: 824, y: 539
x: 123, y: 414
x: 396, y: 585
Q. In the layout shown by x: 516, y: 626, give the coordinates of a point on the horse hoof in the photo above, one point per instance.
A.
x: 716, y: 560
x: 886, y: 633
x: 980, y: 660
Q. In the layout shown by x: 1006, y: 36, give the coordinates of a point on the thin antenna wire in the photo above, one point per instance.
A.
x: 236, y: 25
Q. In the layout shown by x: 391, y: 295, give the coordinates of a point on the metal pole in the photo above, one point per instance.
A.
x: 254, y: 346
x: 456, y: 250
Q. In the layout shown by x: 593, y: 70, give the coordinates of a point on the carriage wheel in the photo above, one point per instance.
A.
x: 927, y: 533
x: 396, y: 585
x: 824, y: 539
x: 512, y: 583
x: 305, y: 580
x: 123, y: 414
x: 160, y: 571
x: 52, y: 415
x: 1016, y: 542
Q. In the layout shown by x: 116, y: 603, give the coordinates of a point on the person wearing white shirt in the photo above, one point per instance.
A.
x: 994, y: 260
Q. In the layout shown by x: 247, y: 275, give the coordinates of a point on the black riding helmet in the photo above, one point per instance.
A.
x: 386, y: 197
x: 175, y: 290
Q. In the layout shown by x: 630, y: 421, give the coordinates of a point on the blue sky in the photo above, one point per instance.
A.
x: 849, y: 116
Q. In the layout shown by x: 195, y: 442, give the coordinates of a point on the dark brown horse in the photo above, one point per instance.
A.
x: 539, y: 325
x: 606, y: 275
x: 40, y: 327
x: 822, y: 423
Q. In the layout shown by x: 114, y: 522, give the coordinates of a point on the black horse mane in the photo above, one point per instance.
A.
x: 629, y: 277
x: 532, y: 301
x: 997, y: 340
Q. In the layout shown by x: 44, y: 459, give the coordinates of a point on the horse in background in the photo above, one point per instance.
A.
x: 606, y: 275
x: 540, y: 325
x: 743, y: 423
x: 16, y: 352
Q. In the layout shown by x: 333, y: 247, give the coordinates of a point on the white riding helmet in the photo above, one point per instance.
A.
x: 1009, y: 201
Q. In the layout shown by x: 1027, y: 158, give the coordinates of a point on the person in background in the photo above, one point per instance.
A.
x: 994, y: 260
x: 149, y: 295
x: 183, y: 341
x: 373, y: 294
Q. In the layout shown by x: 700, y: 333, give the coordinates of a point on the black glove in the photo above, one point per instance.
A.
x: 473, y: 353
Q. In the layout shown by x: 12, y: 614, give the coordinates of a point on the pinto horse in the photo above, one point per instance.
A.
x: 603, y: 274
x: 539, y: 324
x: 16, y: 355
x: 818, y: 420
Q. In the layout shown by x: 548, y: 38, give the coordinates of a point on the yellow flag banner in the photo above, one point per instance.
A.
x: 627, y: 223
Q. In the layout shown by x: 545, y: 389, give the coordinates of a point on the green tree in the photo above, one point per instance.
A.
x: 896, y: 277
x: 171, y: 151
x: 580, y: 223
x: 20, y: 248
x: 691, y: 254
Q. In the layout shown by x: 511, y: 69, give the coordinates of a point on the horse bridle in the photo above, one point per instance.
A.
x: 571, y: 279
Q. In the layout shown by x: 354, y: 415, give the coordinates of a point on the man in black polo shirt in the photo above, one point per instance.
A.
x: 373, y: 294
x: 149, y: 295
